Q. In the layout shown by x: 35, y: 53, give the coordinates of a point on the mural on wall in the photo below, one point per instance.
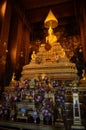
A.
x: 74, y: 51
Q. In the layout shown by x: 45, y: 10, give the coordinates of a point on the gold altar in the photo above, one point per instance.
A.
x: 52, y: 63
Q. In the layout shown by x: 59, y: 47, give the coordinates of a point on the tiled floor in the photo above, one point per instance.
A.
x: 5, y: 125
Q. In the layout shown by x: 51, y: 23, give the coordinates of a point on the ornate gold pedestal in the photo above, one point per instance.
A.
x: 53, y: 63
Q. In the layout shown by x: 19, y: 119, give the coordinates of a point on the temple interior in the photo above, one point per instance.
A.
x: 42, y: 65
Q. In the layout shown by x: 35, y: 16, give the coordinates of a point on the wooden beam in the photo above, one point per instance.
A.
x: 35, y: 4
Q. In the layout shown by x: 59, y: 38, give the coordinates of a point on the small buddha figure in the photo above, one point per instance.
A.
x: 83, y: 75
x: 13, y: 78
x: 51, y: 38
x: 62, y: 53
x: 33, y: 56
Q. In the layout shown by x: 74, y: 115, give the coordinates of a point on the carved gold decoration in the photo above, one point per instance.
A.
x: 54, y: 63
x: 50, y: 20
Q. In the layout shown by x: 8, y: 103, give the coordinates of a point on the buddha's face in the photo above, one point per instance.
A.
x: 33, y: 52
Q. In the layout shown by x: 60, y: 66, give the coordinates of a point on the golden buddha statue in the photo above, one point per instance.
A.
x: 33, y: 56
x: 51, y: 22
x: 51, y: 38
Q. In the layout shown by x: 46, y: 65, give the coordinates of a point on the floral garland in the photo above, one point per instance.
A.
x: 39, y: 91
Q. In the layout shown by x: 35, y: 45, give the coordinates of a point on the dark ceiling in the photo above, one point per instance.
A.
x: 37, y: 10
